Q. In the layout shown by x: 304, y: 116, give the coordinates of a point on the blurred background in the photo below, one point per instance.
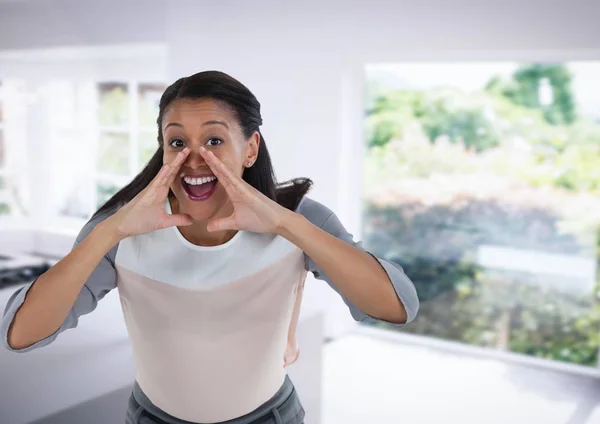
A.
x: 458, y: 139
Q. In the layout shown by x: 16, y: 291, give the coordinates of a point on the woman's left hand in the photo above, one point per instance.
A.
x: 252, y: 210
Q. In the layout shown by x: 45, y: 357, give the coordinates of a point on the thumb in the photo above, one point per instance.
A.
x: 222, y: 224
x: 177, y: 220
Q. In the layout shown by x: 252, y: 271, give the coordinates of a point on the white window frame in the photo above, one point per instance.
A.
x: 12, y: 127
x: 3, y: 173
x: 91, y: 132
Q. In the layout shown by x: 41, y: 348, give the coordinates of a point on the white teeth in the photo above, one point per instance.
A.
x: 198, y: 181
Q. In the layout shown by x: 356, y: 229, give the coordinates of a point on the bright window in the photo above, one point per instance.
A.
x: 101, y: 135
x: 483, y: 181
x: 4, y: 203
x: 12, y: 148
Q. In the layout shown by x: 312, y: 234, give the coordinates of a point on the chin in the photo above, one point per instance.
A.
x: 201, y: 208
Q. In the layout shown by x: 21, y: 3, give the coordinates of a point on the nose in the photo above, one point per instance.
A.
x: 194, y: 160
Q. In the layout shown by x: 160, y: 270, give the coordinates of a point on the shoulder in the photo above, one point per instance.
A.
x: 319, y: 215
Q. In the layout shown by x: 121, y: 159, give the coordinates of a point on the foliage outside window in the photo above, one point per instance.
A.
x: 507, y: 160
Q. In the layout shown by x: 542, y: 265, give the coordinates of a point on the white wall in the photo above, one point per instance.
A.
x: 340, y: 27
x: 49, y: 23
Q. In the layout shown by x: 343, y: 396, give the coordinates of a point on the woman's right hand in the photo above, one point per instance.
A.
x: 146, y: 211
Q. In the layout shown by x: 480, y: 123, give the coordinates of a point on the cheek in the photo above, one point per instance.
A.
x: 167, y: 156
x: 232, y: 160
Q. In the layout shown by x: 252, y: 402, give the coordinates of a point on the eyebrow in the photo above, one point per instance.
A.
x: 177, y: 124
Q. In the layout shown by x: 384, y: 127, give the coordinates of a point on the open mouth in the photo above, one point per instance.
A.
x: 199, y: 187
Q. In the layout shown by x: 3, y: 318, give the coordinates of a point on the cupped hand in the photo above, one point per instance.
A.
x: 252, y: 210
x: 145, y: 212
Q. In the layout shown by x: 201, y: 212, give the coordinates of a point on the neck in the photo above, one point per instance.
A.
x: 198, y: 234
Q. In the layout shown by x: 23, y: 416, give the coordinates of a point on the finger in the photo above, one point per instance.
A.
x: 177, y: 220
x: 175, y: 166
x: 158, y: 180
x: 226, y: 177
x: 218, y: 167
x: 221, y: 224
x: 167, y: 173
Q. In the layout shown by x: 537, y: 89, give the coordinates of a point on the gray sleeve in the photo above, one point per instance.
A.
x: 324, y: 218
x: 102, y: 280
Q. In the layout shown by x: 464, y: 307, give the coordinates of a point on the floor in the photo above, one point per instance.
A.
x: 369, y: 379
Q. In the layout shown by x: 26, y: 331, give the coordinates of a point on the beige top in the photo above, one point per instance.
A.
x: 210, y: 326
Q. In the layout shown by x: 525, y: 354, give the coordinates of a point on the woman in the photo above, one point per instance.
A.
x: 209, y: 255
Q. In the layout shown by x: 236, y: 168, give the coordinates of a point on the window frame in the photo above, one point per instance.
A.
x: 133, y: 130
x: 10, y: 126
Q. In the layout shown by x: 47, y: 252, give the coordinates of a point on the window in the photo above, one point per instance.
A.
x: 102, y: 134
x: 4, y: 203
x: 482, y: 181
x: 12, y: 150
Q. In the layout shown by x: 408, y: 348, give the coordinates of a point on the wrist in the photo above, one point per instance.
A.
x: 109, y: 231
x: 289, y: 224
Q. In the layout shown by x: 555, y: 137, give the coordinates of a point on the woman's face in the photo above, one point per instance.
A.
x: 212, y: 124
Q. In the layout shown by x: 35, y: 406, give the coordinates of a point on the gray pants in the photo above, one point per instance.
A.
x: 283, y: 408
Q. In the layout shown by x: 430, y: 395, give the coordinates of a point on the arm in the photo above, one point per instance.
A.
x: 372, y: 287
x: 292, y: 352
x: 39, y: 311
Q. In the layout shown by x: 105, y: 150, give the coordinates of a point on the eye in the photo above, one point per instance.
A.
x: 177, y: 143
x: 214, y: 141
